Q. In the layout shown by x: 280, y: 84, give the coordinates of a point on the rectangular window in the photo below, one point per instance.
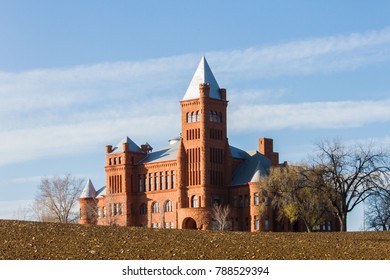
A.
x: 110, y: 206
x: 98, y: 212
x: 140, y: 188
x: 256, y: 198
x: 150, y: 182
x: 119, y: 208
x: 166, y: 180
x: 172, y: 179
x: 156, y: 181
x: 329, y: 225
x: 256, y: 222
x: 166, y: 224
x: 161, y: 180
x: 172, y: 225
x: 266, y: 224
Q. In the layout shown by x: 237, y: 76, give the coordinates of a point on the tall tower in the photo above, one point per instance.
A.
x: 204, y: 133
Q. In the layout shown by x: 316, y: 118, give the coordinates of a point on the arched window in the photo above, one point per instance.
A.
x: 168, y: 207
x: 215, y: 117
x: 143, y: 209
x: 211, y: 116
x: 188, y: 117
x: 193, y: 117
x: 197, y: 116
x: 194, y: 202
x: 155, y: 207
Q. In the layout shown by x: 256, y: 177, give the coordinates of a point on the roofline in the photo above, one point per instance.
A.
x: 151, y: 163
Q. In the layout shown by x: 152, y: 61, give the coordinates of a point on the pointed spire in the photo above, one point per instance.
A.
x: 203, y: 74
x: 89, y: 190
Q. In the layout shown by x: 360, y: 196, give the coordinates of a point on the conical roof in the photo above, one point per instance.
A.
x: 203, y: 74
x: 89, y: 190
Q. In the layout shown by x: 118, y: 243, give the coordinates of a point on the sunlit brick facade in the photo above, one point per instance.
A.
x: 176, y: 186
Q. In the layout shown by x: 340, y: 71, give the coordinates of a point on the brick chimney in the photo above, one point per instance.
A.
x: 146, y: 148
x: 266, y: 147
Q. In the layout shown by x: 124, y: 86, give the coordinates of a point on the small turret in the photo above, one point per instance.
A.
x: 87, y: 203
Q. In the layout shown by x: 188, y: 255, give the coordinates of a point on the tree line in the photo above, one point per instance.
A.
x: 335, y: 179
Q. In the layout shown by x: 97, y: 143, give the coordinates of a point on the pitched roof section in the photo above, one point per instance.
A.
x: 203, y: 74
x: 255, y: 165
x: 132, y: 146
x: 164, y: 154
x: 89, y: 190
x: 101, y: 192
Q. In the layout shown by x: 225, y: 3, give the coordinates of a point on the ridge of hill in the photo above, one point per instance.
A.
x: 53, y: 241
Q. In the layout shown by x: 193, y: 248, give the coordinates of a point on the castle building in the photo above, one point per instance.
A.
x: 177, y: 186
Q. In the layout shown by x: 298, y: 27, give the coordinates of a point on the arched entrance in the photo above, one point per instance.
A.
x: 189, y: 223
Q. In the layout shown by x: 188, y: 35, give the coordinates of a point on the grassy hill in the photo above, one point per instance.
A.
x: 32, y: 240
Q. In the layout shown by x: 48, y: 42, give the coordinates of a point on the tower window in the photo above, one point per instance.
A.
x: 256, y: 198
x: 193, y: 117
x: 256, y: 223
x: 215, y: 117
x: 194, y: 202
x: 197, y: 116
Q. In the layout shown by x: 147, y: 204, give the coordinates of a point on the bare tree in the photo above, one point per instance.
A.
x: 350, y: 174
x: 377, y: 211
x: 57, y: 198
x: 292, y: 192
x: 23, y: 214
x: 220, y: 216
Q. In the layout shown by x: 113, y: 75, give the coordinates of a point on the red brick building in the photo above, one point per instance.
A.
x: 176, y: 186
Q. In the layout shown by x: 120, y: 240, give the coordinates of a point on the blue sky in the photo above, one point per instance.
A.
x: 78, y: 75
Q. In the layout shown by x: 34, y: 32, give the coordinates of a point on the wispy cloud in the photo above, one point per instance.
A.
x: 315, y: 115
x: 46, y: 112
x: 329, y: 54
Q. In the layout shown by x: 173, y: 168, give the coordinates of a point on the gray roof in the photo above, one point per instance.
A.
x: 255, y: 165
x: 132, y: 146
x: 203, y: 74
x: 238, y: 153
x: 89, y: 190
x: 167, y: 153
x: 101, y: 192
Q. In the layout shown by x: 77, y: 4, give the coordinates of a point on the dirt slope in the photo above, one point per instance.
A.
x: 29, y: 240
